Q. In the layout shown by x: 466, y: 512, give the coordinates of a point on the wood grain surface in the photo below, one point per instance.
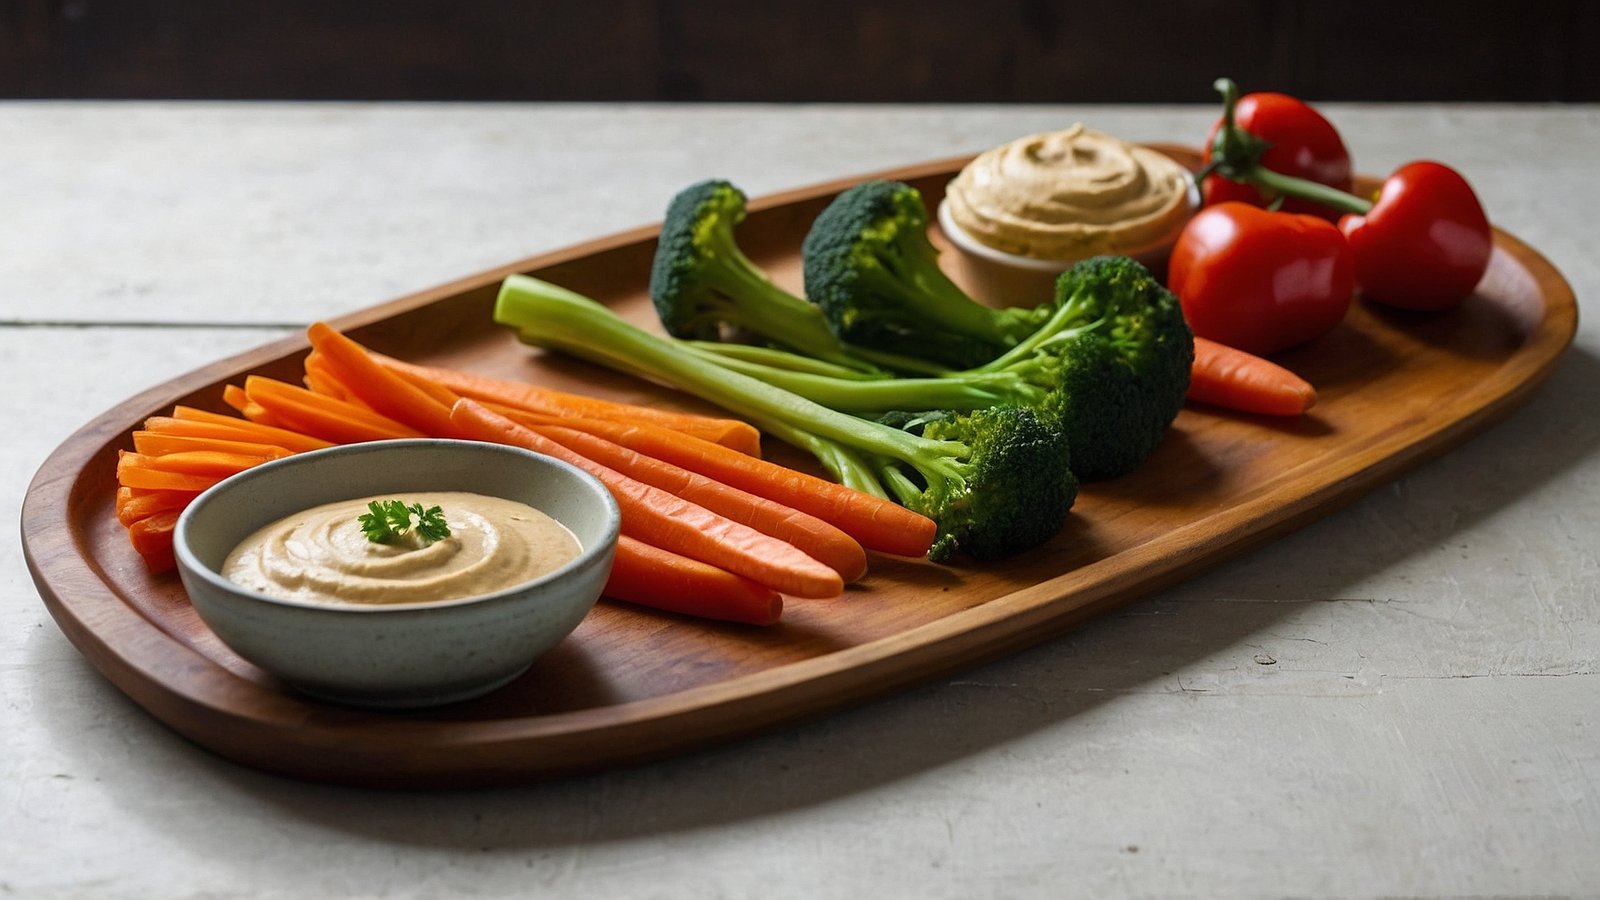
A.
x: 630, y: 684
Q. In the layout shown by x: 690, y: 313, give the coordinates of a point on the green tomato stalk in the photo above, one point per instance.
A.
x: 1236, y: 156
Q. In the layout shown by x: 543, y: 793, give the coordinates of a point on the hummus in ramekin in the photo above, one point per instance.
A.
x: 1025, y: 211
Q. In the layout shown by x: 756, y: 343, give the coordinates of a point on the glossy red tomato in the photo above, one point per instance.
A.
x: 1261, y: 281
x: 1300, y: 142
x: 1426, y: 241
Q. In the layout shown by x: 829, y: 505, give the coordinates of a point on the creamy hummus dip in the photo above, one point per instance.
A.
x: 323, y: 556
x: 1069, y: 195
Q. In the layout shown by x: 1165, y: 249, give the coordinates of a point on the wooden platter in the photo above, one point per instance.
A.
x: 632, y: 685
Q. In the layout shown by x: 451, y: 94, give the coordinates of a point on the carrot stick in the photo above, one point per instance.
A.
x: 132, y: 472
x: 155, y: 443
x: 1231, y: 378
x: 741, y: 436
x: 234, y: 396
x: 428, y: 386
x: 378, y: 387
x: 320, y: 380
x: 660, y: 519
x: 152, y: 539
x: 660, y: 579
x: 878, y: 524
x: 817, y: 538
x: 228, y: 428
x: 191, y: 462
x: 322, y: 416
x: 134, y: 504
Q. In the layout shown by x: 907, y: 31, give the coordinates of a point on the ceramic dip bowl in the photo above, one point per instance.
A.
x: 398, y: 654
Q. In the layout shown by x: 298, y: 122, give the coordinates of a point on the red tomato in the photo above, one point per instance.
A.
x: 1300, y: 142
x: 1261, y: 281
x: 1426, y: 241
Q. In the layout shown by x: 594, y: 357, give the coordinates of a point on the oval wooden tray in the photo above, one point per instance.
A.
x: 632, y: 685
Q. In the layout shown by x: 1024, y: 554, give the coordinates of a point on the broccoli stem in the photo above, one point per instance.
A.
x: 1059, y: 326
x: 895, y: 362
x: 854, y: 394
x: 750, y: 358
x: 901, y: 488
x: 770, y: 311
x: 847, y: 467
x: 757, y: 305
x: 552, y: 316
x: 871, y: 364
x: 751, y: 301
x: 921, y: 286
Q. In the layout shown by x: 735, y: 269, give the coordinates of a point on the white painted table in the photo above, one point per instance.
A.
x: 1401, y: 699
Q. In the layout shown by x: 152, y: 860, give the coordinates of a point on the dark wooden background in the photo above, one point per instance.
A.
x: 799, y: 50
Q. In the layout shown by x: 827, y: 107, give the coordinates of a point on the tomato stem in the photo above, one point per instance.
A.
x: 1276, y: 184
x: 1236, y: 156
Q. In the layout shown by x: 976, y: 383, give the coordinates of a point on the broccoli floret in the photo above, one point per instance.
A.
x: 994, y: 500
x: 996, y: 480
x: 1113, y: 361
x: 701, y: 281
x: 869, y: 264
x: 1109, y: 368
x: 703, y: 285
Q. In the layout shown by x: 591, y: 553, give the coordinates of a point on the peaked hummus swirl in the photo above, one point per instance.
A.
x: 1070, y: 194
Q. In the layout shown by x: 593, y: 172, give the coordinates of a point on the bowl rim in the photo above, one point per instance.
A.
x: 189, y: 564
x: 969, y: 244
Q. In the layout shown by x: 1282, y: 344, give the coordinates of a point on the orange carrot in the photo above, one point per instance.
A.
x: 319, y: 380
x: 134, y: 504
x: 322, y: 416
x: 134, y: 470
x: 152, y: 539
x: 202, y: 424
x: 817, y: 538
x: 176, y: 457
x: 741, y: 436
x: 433, y: 389
x: 876, y: 523
x: 155, y: 479
x: 378, y: 387
x: 650, y: 576
x: 192, y: 462
x: 660, y: 519
x: 234, y: 396
x: 155, y: 443
x: 1228, y: 377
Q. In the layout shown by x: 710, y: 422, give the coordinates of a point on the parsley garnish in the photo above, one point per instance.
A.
x: 390, y: 519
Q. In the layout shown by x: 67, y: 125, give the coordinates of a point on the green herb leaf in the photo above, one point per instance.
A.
x: 388, y: 520
x: 430, y: 522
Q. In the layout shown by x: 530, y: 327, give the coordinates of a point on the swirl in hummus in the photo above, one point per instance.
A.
x: 322, y: 556
x: 1069, y: 195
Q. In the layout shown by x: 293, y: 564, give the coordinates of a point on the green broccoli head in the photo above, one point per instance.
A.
x: 1116, y: 376
x: 693, y: 255
x: 870, y: 266
x: 1007, y: 489
x: 702, y: 283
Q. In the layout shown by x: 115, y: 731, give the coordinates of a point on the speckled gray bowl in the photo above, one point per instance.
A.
x: 399, y: 655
